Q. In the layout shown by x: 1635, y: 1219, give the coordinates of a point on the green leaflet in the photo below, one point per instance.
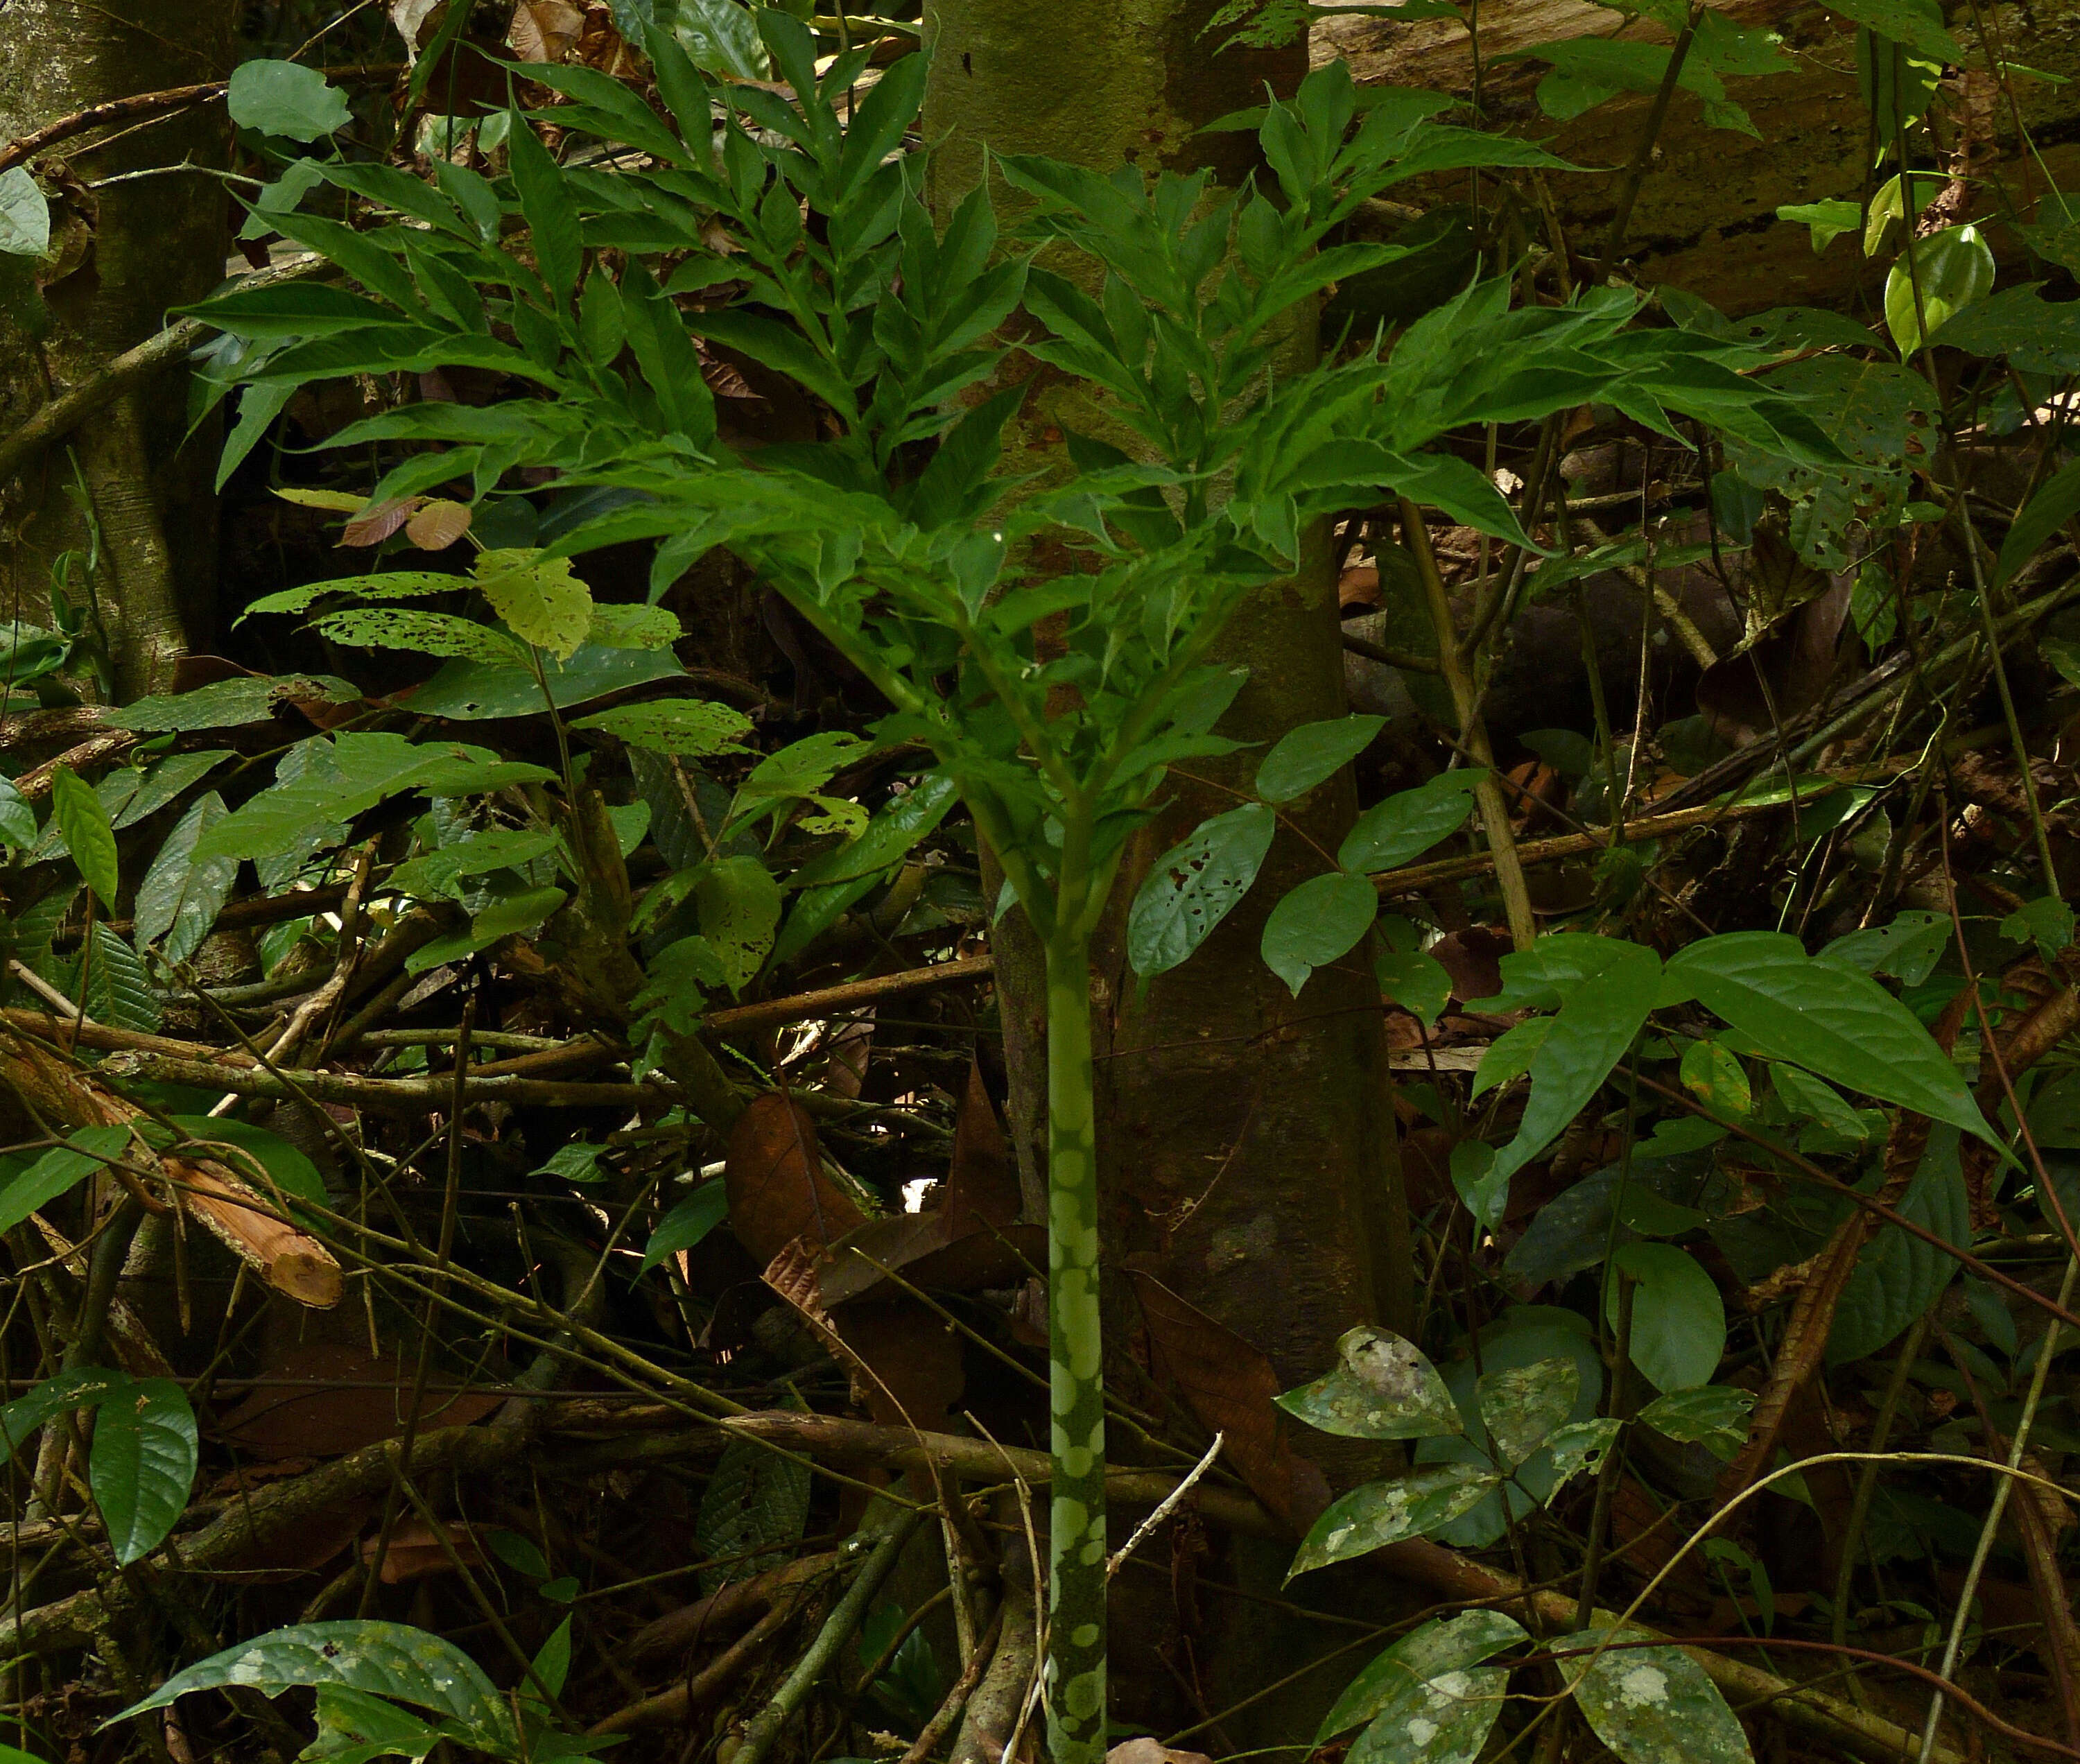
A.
x: 689, y: 726
x: 179, y: 899
x: 1827, y: 1016
x: 755, y: 1506
x: 1409, y: 822
x: 687, y: 1222
x: 1378, y: 1514
x: 1898, y: 1276
x: 1439, y: 1646
x: 1522, y: 1405
x: 1316, y: 923
x: 1312, y: 754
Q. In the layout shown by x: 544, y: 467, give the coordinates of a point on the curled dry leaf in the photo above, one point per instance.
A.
x: 778, y: 1189
x: 545, y: 30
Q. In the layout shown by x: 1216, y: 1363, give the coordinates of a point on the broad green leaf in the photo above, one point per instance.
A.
x: 1918, y: 28
x: 1476, y: 1180
x: 1828, y: 218
x: 1652, y: 1705
x: 1444, y: 1645
x: 25, y: 214
x: 503, y: 916
x: 142, y: 1465
x: 59, y: 1171
x: 285, y: 98
x: 1378, y: 1514
x: 1679, y: 1321
x: 18, y: 819
x: 1521, y: 1405
x: 1712, y: 1071
x: 888, y: 837
x: 1383, y: 1390
x: 1909, y: 948
x: 1945, y: 273
x: 1714, y: 1416
x: 687, y: 1222
x: 474, y: 691
x: 2057, y: 501
x: 1898, y: 1277
x: 739, y: 910
x: 77, y: 809
x: 1825, y: 1016
x: 719, y: 36
x: 617, y: 625
x: 439, y: 874
x: 384, y: 1659
x: 1315, y: 923
x: 179, y: 899
x: 354, y: 1727
x: 1816, y: 1100
x: 1193, y: 886
x: 1605, y: 988
x: 539, y: 599
x: 685, y: 726
x: 1313, y: 752
x: 1409, y: 822
x: 1444, y: 1719
x: 1415, y: 982
x: 264, y: 1159
x: 1578, y: 1445
x: 228, y: 704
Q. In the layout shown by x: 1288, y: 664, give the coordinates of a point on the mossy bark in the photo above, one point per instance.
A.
x: 126, y: 251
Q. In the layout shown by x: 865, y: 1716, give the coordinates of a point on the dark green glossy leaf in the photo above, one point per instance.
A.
x: 1316, y: 923
x: 1313, y: 753
x: 1195, y: 885
x: 1409, y: 822
x: 1679, y: 1321
x: 142, y: 1465
x: 1378, y: 1514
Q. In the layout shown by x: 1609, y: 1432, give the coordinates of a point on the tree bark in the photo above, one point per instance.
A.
x: 124, y: 252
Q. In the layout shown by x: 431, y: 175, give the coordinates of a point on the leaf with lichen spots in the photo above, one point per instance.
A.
x: 1384, y: 1389
x: 540, y: 600
x: 1652, y: 1704
x: 1578, y: 1445
x: 1379, y: 1514
x: 1522, y: 1405
x: 1442, y: 1645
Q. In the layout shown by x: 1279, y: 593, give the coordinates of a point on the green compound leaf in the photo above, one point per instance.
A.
x: 1195, y: 885
x: 1317, y: 922
x: 1400, y: 1675
x: 1379, y: 1514
x: 142, y: 1465
x: 1409, y: 822
x: 683, y: 726
x: 179, y: 899
x: 1313, y: 753
x: 1679, y: 1321
x: 1383, y: 1390
x: 383, y: 1659
x: 1521, y: 1405
x: 77, y: 807
x: 1652, y: 1705
x: 1826, y: 1016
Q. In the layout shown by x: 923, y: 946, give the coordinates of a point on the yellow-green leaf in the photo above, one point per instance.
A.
x: 539, y: 599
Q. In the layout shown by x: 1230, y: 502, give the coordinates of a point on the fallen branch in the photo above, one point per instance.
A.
x: 854, y: 995
x: 391, y: 1096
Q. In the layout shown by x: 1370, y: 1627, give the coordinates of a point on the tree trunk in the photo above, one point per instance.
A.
x: 125, y: 252
x: 1241, y: 1134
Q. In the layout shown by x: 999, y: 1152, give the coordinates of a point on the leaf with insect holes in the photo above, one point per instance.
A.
x: 540, y: 600
x: 1384, y: 1388
x: 1196, y: 884
x: 1650, y: 1705
x: 1578, y: 1445
x: 620, y: 626
x: 1520, y: 1405
x: 384, y: 1659
x: 681, y: 726
x: 406, y: 628
x: 142, y: 1465
x: 1378, y: 1514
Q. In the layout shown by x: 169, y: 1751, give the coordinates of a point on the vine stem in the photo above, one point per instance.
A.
x: 1075, y: 1669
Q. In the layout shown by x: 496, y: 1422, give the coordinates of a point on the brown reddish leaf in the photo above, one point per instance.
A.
x: 438, y: 525
x: 415, y: 1551
x: 335, y: 1399
x: 377, y: 520
x: 544, y: 30
x: 1230, y: 1385
x: 1145, y: 1750
x: 981, y: 1183
x: 927, y: 1250
x: 1358, y: 586
x: 776, y: 1183
x: 1472, y: 958
x: 906, y: 1364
